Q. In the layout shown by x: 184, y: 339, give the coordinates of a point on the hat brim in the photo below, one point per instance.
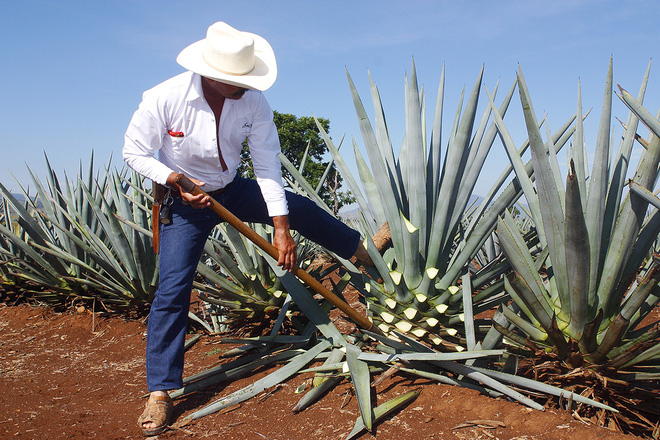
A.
x: 260, y: 78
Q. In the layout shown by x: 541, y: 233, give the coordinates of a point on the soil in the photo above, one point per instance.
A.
x: 78, y: 375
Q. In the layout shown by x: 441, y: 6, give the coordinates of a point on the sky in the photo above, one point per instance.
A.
x: 72, y: 72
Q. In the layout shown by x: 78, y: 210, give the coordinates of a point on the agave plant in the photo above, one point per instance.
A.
x: 426, y: 201
x: 583, y: 293
x: 239, y: 285
x: 69, y: 241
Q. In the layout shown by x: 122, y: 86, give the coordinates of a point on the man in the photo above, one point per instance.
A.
x: 197, y: 122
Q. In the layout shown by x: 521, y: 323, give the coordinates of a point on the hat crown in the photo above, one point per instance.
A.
x: 229, y: 50
x: 233, y: 57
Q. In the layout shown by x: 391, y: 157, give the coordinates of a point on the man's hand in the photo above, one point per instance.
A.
x: 284, y: 243
x: 199, y: 201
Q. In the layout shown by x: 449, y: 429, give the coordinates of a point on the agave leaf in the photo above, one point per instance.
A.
x: 476, y: 143
x: 317, y: 392
x: 554, y: 162
x: 536, y: 306
x: 383, y: 410
x: 46, y: 200
x: 577, y: 256
x: 300, y: 359
x: 56, y: 198
x: 470, y: 336
x: 651, y: 122
x: 303, y: 161
x: 359, y: 371
x: 382, y: 135
x: 28, y: 272
x: 434, y: 166
x: 548, y: 194
x: 411, y: 269
x: 280, y: 317
x: 331, y: 164
x: 307, y: 303
x: 240, y: 250
x: 397, y: 345
x: 260, y: 356
x: 543, y: 388
x: 335, y: 356
x: 526, y: 326
x: 412, y: 162
x: 454, y: 127
x: 262, y: 384
x: 370, y: 190
x: 644, y: 193
x: 139, y: 228
x: 476, y: 375
x: 578, y: 153
x: 197, y: 319
x: 348, y: 176
x: 597, y: 197
x: 268, y: 340
x: 490, y: 196
x: 300, y: 180
x: 443, y: 379
x: 432, y: 356
x: 516, y: 251
x: 519, y: 168
x: 622, y: 160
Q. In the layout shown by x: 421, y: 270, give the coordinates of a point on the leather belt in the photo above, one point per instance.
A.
x: 175, y: 192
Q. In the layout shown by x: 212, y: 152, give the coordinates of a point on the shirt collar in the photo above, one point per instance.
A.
x: 195, y: 90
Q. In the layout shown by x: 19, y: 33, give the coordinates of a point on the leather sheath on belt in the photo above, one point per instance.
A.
x: 158, y: 193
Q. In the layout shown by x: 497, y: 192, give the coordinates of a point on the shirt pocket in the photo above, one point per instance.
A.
x: 175, y: 141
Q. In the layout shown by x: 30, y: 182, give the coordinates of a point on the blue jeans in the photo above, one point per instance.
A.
x: 181, y: 245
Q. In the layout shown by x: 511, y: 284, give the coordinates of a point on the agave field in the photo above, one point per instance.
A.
x: 542, y: 292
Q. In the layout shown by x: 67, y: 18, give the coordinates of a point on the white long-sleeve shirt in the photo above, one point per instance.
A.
x: 175, y: 120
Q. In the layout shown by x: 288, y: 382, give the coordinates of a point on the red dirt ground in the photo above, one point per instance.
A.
x: 81, y: 376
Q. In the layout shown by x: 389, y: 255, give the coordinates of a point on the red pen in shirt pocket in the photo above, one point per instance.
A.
x: 176, y: 134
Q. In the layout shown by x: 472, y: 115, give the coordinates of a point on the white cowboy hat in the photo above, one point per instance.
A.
x: 232, y: 57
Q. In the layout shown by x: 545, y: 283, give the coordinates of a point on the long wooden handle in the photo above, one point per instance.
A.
x: 189, y: 186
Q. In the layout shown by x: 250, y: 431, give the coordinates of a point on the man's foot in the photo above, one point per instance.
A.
x: 157, y: 413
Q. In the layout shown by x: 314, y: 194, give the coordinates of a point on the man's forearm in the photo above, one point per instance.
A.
x: 281, y: 222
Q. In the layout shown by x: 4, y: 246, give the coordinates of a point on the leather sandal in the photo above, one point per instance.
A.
x: 158, y: 410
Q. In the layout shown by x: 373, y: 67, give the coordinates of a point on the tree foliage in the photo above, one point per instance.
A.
x: 296, y: 134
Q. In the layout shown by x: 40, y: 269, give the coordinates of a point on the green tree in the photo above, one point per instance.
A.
x: 296, y: 133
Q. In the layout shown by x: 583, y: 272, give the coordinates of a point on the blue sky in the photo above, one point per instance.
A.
x: 72, y: 72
